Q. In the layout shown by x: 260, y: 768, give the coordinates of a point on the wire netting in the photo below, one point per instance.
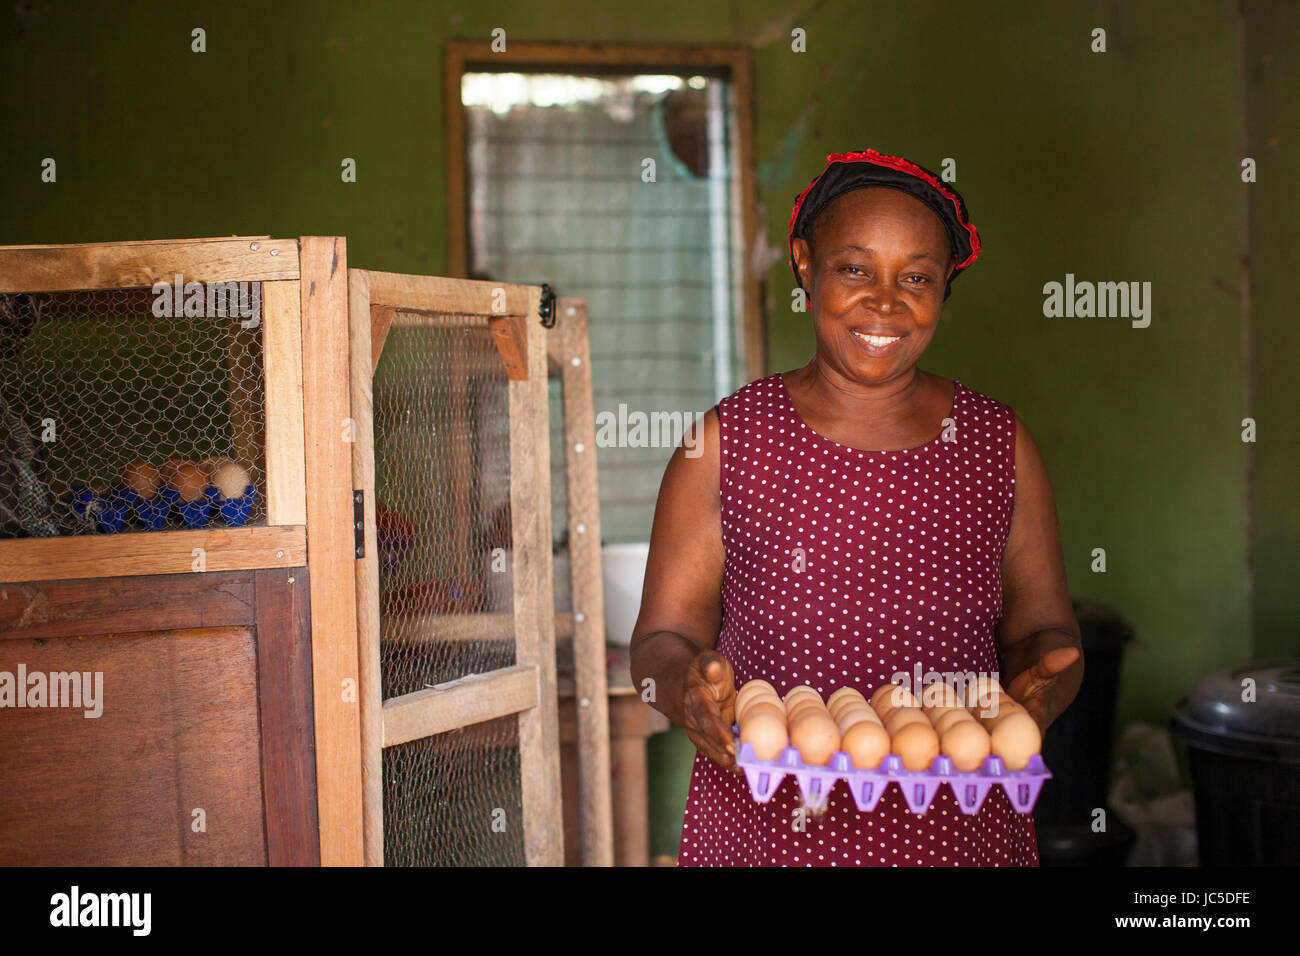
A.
x: 454, y: 799
x: 117, y: 419
x: 442, y: 502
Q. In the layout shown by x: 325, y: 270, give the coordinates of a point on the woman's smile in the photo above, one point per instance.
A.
x: 877, y: 345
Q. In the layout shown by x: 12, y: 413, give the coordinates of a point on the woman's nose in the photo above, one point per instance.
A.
x: 881, y: 295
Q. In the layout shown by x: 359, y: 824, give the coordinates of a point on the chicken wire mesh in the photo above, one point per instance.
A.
x: 116, y: 419
x: 454, y: 799
x: 442, y: 507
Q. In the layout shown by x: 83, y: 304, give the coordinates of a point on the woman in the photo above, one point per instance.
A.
x: 848, y: 521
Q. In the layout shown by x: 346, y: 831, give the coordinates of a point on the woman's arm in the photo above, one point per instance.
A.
x: 681, y: 603
x: 1038, y: 635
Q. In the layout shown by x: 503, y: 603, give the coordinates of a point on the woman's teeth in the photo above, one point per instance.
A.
x: 879, y: 341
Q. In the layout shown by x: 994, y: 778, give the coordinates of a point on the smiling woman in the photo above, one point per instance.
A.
x: 849, y: 520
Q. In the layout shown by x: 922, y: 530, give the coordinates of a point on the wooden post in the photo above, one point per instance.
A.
x: 286, y: 488
x: 596, y: 815
x: 365, y: 357
x: 534, y: 597
x: 328, y: 466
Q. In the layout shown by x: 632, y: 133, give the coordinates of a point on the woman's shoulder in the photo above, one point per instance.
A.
x: 752, y: 396
x: 981, y: 402
x: 758, y: 386
x: 995, y: 422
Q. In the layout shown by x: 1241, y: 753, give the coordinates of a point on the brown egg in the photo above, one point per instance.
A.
x: 188, y: 482
x: 741, y: 709
x: 230, y: 479
x: 753, y: 687
x: 996, y: 711
x: 966, y: 743
x: 761, y: 714
x: 857, y: 712
x: 209, y: 466
x: 833, y: 707
x: 803, y: 711
x: 901, y: 716
x: 903, y: 698
x: 866, y: 743
x: 939, y: 695
x: 744, y: 700
x: 899, y: 697
x: 802, y: 691
x: 847, y: 716
x: 766, y: 733
x: 746, y: 694
x: 142, y: 478
x: 1016, y: 738
x: 917, y: 744
x: 844, y: 693
x: 880, y: 693
x: 982, y: 688
x: 816, y: 737
x: 756, y: 704
x: 934, y: 713
x: 955, y: 716
x: 800, y: 707
x: 167, y: 470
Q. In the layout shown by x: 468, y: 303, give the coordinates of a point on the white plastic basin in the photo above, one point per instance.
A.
x: 623, y: 566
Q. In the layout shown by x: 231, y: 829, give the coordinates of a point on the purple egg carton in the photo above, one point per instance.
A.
x: 868, y: 786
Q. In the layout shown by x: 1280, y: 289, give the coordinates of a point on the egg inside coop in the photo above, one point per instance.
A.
x: 121, y: 420
x: 297, y: 552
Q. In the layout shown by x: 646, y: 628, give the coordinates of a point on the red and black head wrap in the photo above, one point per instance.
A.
x: 849, y: 171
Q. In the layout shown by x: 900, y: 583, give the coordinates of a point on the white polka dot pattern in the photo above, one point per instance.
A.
x: 901, y: 564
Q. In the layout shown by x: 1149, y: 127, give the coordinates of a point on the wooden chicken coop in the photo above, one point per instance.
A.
x: 275, y: 567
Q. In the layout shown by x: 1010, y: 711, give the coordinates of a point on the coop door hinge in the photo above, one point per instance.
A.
x: 359, y: 524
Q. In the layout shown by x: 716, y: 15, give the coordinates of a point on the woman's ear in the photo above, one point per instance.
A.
x: 803, y: 258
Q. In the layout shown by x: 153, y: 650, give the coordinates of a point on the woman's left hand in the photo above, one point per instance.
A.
x: 1033, y: 686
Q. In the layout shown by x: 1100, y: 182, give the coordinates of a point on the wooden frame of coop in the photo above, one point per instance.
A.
x: 381, y: 302
x: 269, y: 706
x: 265, y: 742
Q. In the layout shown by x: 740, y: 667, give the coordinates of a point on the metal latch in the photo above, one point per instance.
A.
x: 359, y: 523
x: 546, y: 309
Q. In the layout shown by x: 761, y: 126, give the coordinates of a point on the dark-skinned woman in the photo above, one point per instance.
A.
x: 848, y: 521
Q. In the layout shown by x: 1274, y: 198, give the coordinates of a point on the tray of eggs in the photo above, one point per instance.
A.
x: 189, y: 493
x: 970, y: 744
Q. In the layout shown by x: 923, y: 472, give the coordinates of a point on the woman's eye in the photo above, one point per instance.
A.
x: 857, y: 270
x: 920, y: 280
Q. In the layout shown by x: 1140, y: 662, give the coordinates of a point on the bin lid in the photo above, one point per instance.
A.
x: 1215, y: 717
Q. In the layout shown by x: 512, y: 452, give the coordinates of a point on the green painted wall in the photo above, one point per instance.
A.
x: 1272, y: 63
x: 1115, y: 166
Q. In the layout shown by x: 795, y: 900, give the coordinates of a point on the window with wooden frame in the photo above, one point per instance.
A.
x: 622, y: 174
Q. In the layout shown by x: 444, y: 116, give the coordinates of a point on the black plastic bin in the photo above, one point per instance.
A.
x: 1245, y: 764
x: 1077, y: 749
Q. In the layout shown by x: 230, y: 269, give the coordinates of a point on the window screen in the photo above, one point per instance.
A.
x: 557, y: 192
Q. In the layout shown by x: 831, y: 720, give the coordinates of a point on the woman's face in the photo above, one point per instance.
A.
x: 875, y: 276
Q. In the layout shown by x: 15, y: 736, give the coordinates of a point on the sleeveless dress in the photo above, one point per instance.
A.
x: 901, y: 558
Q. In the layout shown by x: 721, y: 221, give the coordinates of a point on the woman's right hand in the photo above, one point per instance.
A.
x: 709, y: 707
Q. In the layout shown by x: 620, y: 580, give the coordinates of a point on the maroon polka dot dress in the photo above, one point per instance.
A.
x: 901, y: 564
